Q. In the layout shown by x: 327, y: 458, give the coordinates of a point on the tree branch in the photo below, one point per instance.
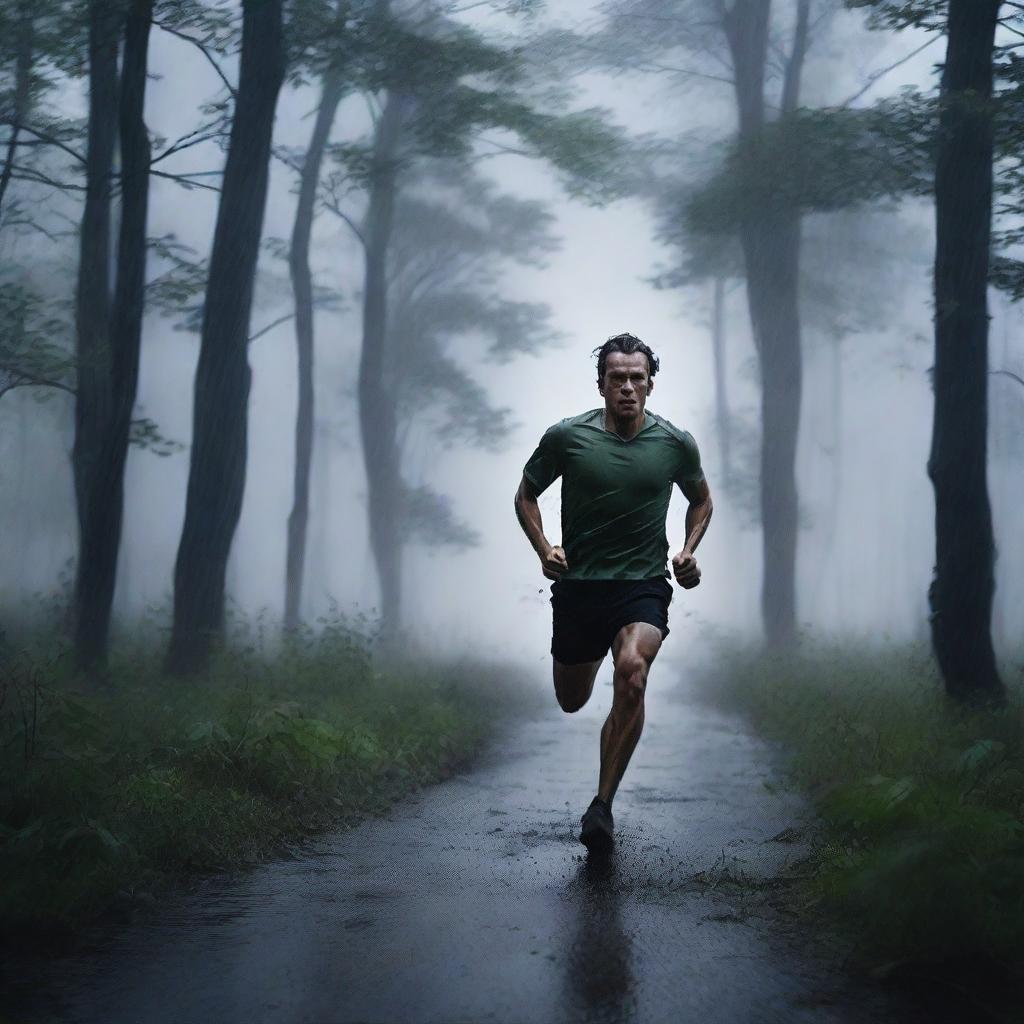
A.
x: 335, y: 207
x: 876, y: 75
x: 186, y: 181
x: 1007, y: 373
x: 31, y: 174
x: 275, y: 323
x: 11, y: 379
x: 193, y: 138
x: 50, y: 140
x: 203, y: 50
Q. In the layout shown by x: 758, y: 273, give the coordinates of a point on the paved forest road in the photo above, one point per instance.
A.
x: 473, y: 902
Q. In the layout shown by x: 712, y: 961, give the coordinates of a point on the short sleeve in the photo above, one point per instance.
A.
x: 689, y: 470
x: 544, y: 466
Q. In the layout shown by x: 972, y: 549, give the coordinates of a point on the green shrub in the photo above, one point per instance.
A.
x: 922, y: 851
x: 111, y: 790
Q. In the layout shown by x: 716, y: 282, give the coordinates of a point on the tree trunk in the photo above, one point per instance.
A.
x: 770, y: 240
x: 302, y: 285
x: 92, y: 303
x: 771, y: 248
x: 220, y: 414
x: 376, y: 405
x: 722, y: 420
x: 24, y: 53
x: 795, y: 64
x: 961, y: 592
x: 101, y: 532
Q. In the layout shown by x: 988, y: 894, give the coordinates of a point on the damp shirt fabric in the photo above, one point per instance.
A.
x: 615, y: 493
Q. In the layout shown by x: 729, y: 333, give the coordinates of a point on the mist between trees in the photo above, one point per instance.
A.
x: 355, y: 199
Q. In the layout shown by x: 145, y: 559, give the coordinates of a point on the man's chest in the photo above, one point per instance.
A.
x: 642, y: 468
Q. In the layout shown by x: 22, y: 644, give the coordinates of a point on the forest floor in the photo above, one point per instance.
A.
x: 917, y: 855
x: 112, y: 793
x: 472, y: 900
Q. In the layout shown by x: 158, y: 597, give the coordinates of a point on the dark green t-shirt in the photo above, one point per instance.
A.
x: 615, y: 493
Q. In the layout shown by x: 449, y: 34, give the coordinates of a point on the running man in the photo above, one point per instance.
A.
x: 610, y: 589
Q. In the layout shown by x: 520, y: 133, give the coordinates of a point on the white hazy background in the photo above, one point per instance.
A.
x: 866, y: 546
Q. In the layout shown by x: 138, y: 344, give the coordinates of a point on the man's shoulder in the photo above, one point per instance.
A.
x: 583, y: 419
x: 684, y: 437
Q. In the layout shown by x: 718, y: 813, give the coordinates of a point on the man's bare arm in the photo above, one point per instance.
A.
x: 552, y: 557
x: 698, y: 515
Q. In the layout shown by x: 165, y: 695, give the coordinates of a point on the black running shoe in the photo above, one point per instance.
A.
x: 598, y: 827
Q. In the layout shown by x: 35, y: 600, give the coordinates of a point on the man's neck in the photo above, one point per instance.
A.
x: 626, y: 428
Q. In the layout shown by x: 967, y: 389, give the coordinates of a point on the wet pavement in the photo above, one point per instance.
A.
x: 473, y: 901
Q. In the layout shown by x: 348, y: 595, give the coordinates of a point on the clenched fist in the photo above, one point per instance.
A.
x: 686, y: 571
x: 553, y: 564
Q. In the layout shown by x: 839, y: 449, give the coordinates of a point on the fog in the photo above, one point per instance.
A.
x: 866, y: 539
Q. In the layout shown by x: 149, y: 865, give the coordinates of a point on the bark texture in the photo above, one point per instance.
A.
x: 104, y: 499
x: 962, y: 590
x: 376, y: 405
x: 92, y: 300
x: 220, y: 412
x: 770, y: 238
x: 302, y: 286
x: 22, y: 99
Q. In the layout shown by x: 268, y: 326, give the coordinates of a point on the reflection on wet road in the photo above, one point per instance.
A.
x: 473, y: 901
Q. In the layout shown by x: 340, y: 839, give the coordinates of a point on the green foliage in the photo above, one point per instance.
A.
x: 922, y: 852
x: 455, y: 235
x: 33, y: 340
x: 145, y: 434
x: 1007, y: 108
x: 821, y: 160
x: 106, y: 794
x: 35, y: 351
x: 430, y: 518
x: 457, y: 84
x: 591, y: 156
x: 180, y: 288
x: 926, y: 14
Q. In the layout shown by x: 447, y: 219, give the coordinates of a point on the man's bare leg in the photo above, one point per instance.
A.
x: 634, y: 650
x: 574, y: 683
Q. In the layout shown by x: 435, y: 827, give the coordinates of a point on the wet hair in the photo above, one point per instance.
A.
x: 627, y: 344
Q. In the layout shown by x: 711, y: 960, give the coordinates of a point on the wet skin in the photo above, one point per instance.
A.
x: 625, y: 386
x: 633, y: 652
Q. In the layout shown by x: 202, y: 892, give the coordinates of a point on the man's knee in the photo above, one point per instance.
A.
x: 570, y: 698
x: 630, y: 681
x: 573, y: 685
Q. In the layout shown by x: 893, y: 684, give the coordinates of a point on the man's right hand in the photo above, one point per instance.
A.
x: 553, y: 563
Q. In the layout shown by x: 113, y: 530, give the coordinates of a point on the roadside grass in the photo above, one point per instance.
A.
x: 107, y: 794
x: 921, y: 857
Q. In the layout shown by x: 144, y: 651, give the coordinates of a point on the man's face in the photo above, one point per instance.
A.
x: 626, y: 384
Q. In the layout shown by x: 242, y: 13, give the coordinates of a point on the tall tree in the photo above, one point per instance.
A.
x: 711, y: 262
x: 100, y: 528
x: 220, y: 412
x: 961, y: 593
x: 449, y: 309
x: 377, y: 419
x: 770, y: 237
x: 302, y: 285
x: 23, y: 31
x: 742, y: 35
x: 92, y: 307
x: 438, y: 85
x: 326, y: 39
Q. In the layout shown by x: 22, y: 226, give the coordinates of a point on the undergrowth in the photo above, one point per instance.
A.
x: 921, y: 857
x: 108, y: 792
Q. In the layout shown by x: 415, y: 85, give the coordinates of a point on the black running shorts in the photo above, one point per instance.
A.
x: 588, y: 613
